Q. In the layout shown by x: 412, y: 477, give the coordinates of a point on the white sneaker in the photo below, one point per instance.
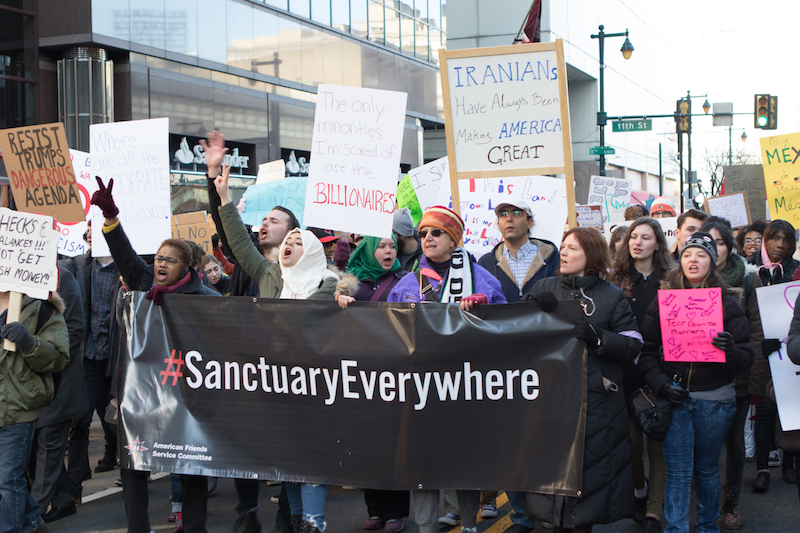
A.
x: 469, y: 530
x: 450, y: 519
x: 489, y: 511
x: 775, y: 458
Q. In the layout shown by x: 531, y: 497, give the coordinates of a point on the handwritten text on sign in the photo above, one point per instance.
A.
x: 731, y: 207
x: 505, y: 111
x: 355, y: 149
x: 690, y: 318
x: 40, y: 171
x: 780, y: 157
x: 613, y: 194
x: 262, y: 198
x: 750, y: 179
x: 427, y: 180
x: 28, y: 253
x: 135, y: 155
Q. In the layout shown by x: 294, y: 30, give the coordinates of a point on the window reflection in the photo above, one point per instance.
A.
x: 358, y: 18
x: 392, y: 28
x: 340, y: 15
x: 376, y: 23
x: 321, y: 11
x: 300, y: 7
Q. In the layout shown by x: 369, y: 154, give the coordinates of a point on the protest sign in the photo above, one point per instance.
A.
x: 779, y: 158
x: 428, y: 180
x: 197, y: 227
x: 356, y: 144
x: 72, y: 242
x: 690, y: 319
x: 750, y: 179
x: 272, y: 171
x: 643, y: 198
x: 590, y: 216
x: 135, y: 154
x: 613, y: 194
x: 507, y: 113
x: 261, y: 199
x: 732, y: 207
x: 40, y: 171
x: 408, y: 368
x: 776, y: 305
x: 28, y: 253
x: 406, y: 197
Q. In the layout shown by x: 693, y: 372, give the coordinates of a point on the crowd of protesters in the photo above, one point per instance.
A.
x: 76, y: 336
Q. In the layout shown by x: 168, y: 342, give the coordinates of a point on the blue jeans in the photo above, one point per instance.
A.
x: 517, y: 501
x: 693, y: 446
x: 19, y: 512
x: 308, y: 500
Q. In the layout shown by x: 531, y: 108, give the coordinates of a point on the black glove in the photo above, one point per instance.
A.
x: 587, y: 333
x: 215, y: 241
x: 19, y: 335
x: 546, y: 300
x: 102, y: 198
x: 724, y: 341
x: 674, y: 393
x: 769, y: 346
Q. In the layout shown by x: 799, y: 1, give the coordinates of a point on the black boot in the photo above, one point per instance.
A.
x: 248, y: 523
x: 308, y: 527
x: 296, y: 520
x: 109, y: 460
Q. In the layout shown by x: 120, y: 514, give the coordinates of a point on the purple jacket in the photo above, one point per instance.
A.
x: 407, y: 289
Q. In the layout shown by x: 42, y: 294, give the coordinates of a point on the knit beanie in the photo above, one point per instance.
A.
x: 703, y: 240
x: 446, y: 220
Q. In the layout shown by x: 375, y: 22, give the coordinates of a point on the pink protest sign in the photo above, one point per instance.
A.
x: 690, y: 318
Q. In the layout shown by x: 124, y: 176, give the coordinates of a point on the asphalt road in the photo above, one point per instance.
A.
x: 102, y: 510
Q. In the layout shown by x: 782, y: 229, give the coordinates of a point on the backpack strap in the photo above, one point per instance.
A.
x: 426, y: 289
x: 45, y: 312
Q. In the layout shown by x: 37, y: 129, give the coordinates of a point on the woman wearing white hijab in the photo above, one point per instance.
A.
x: 304, y: 269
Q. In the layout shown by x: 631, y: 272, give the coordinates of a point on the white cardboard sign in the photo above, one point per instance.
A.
x: 355, y: 147
x: 28, y: 253
x: 776, y: 304
x: 613, y: 194
x: 272, y: 171
x: 427, y: 180
x: 135, y: 154
x: 71, y: 242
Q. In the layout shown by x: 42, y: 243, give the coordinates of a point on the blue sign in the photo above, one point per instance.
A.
x: 263, y: 198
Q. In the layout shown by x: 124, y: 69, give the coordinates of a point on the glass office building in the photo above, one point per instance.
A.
x: 248, y: 68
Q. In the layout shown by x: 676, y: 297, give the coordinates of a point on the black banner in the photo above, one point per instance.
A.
x: 387, y: 396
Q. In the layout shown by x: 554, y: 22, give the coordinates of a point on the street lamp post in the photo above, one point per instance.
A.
x: 627, y: 50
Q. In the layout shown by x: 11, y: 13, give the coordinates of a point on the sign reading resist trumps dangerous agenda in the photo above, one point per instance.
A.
x: 28, y: 254
x: 355, y: 148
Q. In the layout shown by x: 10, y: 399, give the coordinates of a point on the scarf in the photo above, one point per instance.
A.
x: 362, y: 263
x: 305, y: 277
x: 156, y: 292
x: 460, y: 279
x: 733, y: 272
x: 766, y: 263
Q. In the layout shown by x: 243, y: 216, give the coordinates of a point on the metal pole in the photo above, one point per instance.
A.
x: 689, y: 148
x: 601, y: 115
x: 730, y: 145
x: 680, y: 164
x: 660, y: 173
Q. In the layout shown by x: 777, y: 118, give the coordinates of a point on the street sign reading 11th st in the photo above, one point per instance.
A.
x: 632, y: 125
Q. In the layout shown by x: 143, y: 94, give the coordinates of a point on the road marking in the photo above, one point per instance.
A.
x: 115, y: 490
x: 502, y: 499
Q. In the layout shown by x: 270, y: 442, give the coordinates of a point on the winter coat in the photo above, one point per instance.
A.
x: 363, y: 291
x: 544, y: 265
x: 26, y: 381
x: 70, y: 400
x: 607, y: 490
x: 779, y: 275
x: 138, y: 274
x: 407, y: 289
x: 697, y: 376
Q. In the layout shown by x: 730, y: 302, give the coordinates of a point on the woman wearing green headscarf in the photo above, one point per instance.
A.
x: 374, y: 262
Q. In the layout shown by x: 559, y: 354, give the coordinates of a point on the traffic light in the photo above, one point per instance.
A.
x: 683, y: 116
x: 761, y: 111
x: 772, y: 123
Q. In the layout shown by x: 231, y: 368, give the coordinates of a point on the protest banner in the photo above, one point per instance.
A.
x: 261, y: 199
x: 197, y: 227
x: 406, y: 197
x: 486, y: 92
x: 732, y: 207
x: 613, y: 195
x: 40, y: 171
x: 750, y: 179
x: 408, y: 368
x: 590, y: 216
x: 779, y: 158
x: 28, y: 256
x: 272, y: 171
x: 356, y: 144
x: 428, y: 180
x: 690, y: 319
x: 135, y: 154
x: 776, y: 305
x: 547, y: 198
x: 643, y: 198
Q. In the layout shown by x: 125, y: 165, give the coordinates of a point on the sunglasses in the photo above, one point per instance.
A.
x: 169, y: 260
x: 436, y: 232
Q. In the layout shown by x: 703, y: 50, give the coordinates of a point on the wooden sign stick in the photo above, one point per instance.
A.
x: 14, y: 308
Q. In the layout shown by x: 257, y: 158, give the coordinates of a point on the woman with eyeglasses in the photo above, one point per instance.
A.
x: 749, y: 239
x: 171, y: 273
x: 447, y: 274
x: 612, y: 337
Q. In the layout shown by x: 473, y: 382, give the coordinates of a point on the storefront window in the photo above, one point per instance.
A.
x: 17, y: 64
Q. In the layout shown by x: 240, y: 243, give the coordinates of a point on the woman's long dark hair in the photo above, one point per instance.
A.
x: 662, y: 259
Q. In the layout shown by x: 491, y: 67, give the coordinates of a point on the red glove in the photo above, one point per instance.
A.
x: 341, y: 254
x: 477, y: 299
x: 102, y: 198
